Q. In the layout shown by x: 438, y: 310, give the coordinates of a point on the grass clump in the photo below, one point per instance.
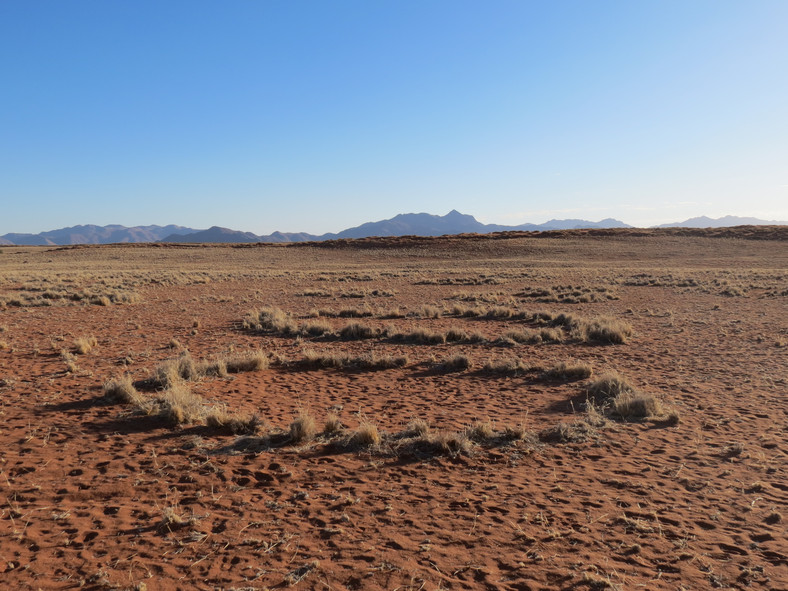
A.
x: 303, y: 428
x: 420, y: 336
x: 357, y: 330
x: 454, y: 363
x: 332, y: 425
x: 511, y: 367
x: 84, y: 345
x: 605, y: 330
x: 122, y: 390
x: 621, y: 398
x: 270, y: 319
x: 370, y: 361
x: 480, y: 431
x: 569, y: 371
x: 221, y: 419
x: 637, y: 406
x: 250, y: 361
x: 609, y: 386
x: 179, y: 405
x: 366, y: 435
x: 417, y: 428
x: 574, y: 432
x: 315, y: 329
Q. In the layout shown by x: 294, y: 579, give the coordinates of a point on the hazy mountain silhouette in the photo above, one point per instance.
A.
x: 91, y: 234
x: 213, y: 234
x: 406, y: 224
x: 723, y: 222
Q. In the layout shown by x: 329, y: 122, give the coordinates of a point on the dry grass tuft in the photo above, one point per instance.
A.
x: 84, y: 345
x: 606, y: 329
x: 316, y: 328
x: 417, y: 428
x: 569, y: 371
x: 451, y: 443
x: 172, y: 521
x: 270, y: 320
x: 454, y: 363
x: 420, y: 336
x: 511, y: 366
x: 179, y: 405
x: 574, y: 432
x: 480, y: 431
x: 356, y: 330
x: 122, y: 390
x: 303, y: 428
x: 637, y: 406
x: 366, y: 435
x: 222, y: 420
x: 609, y: 386
x: 332, y: 425
x: 250, y: 361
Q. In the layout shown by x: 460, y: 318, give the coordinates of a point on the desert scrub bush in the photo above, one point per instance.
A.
x: 637, y: 406
x: 303, y: 428
x: 316, y: 293
x: 332, y: 425
x: 622, y: 399
x: 480, y: 431
x: 84, y: 345
x: 569, y: 371
x: 466, y: 311
x: 256, y: 360
x: 535, y: 337
x: 356, y: 331
x: 174, y: 370
x: 504, y: 313
x: 605, y: 330
x: 453, y: 364
x: 609, y: 386
x: 99, y: 300
x: 392, y: 313
x: 574, y: 432
x: 458, y: 335
x: 417, y: 428
x: 510, y: 366
x: 449, y: 442
x: 270, y: 320
x: 122, y: 390
x: 315, y: 329
x: 366, y: 435
x: 428, y: 312
x: 420, y: 336
x: 70, y: 361
x: 355, y: 313
x: 179, y: 405
x: 221, y: 419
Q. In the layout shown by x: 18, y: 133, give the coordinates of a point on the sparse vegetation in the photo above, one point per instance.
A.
x: 84, y: 345
x: 303, y: 428
x: 569, y: 371
x: 122, y: 390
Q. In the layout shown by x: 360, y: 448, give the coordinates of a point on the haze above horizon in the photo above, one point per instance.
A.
x: 313, y: 116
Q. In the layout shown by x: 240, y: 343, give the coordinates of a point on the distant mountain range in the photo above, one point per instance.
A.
x: 723, y: 222
x: 406, y: 224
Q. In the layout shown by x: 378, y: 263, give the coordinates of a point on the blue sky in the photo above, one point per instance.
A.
x: 319, y: 115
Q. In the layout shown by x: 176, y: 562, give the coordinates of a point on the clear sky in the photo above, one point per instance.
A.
x: 319, y: 115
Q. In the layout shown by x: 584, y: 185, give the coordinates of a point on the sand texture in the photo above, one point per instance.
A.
x: 404, y: 413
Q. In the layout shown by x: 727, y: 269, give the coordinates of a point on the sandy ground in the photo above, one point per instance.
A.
x: 96, y: 495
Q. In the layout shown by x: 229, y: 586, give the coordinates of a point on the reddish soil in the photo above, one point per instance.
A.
x: 86, y: 484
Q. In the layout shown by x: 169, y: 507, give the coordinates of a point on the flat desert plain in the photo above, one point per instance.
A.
x: 570, y: 410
